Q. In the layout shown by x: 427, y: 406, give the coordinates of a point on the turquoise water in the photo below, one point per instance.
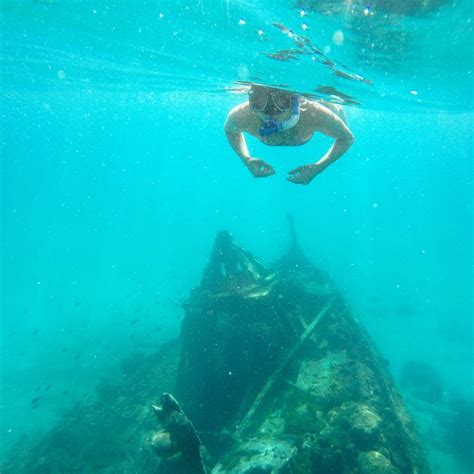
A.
x: 116, y: 175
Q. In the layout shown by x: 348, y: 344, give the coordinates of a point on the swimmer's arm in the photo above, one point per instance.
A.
x: 239, y: 145
x: 234, y: 128
x: 332, y: 126
x: 328, y: 123
x: 234, y: 132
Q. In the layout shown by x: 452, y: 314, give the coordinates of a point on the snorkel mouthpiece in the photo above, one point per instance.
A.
x: 272, y: 126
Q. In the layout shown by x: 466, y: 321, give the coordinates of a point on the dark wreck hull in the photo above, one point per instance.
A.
x: 289, y: 374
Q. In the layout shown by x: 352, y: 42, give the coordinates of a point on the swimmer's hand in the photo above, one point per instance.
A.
x: 259, y: 168
x: 304, y: 174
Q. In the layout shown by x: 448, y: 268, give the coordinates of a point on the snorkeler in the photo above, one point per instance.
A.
x: 280, y: 118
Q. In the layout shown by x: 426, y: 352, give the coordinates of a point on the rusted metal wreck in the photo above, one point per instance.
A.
x: 282, y: 378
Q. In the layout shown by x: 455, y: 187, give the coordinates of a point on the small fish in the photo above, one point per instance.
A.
x: 282, y: 28
x: 285, y: 54
x: 350, y: 76
x: 135, y: 321
x: 36, y: 331
x: 65, y: 392
x: 48, y: 387
x: 329, y: 90
x: 35, y: 400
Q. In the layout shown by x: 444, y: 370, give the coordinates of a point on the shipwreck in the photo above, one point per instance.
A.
x: 272, y: 373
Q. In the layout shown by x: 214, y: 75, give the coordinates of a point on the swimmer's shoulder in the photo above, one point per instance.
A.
x: 239, y: 119
x: 312, y: 114
x: 317, y: 113
x: 311, y: 106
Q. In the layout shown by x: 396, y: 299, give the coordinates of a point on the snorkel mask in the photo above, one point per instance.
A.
x: 271, y: 125
x: 282, y: 101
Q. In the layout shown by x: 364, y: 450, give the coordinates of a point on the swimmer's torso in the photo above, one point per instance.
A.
x: 289, y: 137
x: 294, y: 136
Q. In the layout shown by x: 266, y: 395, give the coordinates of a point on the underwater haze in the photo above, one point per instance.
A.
x: 116, y: 175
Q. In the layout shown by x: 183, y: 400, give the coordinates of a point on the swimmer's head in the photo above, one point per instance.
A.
x: 269, y: 101
x: 278, y: 109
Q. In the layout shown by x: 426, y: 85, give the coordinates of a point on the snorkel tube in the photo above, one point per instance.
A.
x: 271, y: 126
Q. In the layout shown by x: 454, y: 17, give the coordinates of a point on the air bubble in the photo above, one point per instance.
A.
x: 338, y: 38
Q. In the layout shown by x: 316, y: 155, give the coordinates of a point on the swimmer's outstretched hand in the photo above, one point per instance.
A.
x: 304, y: 174
x: 259, y: 168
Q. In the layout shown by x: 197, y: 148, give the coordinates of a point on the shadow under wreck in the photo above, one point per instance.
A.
x: 275, y: 375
